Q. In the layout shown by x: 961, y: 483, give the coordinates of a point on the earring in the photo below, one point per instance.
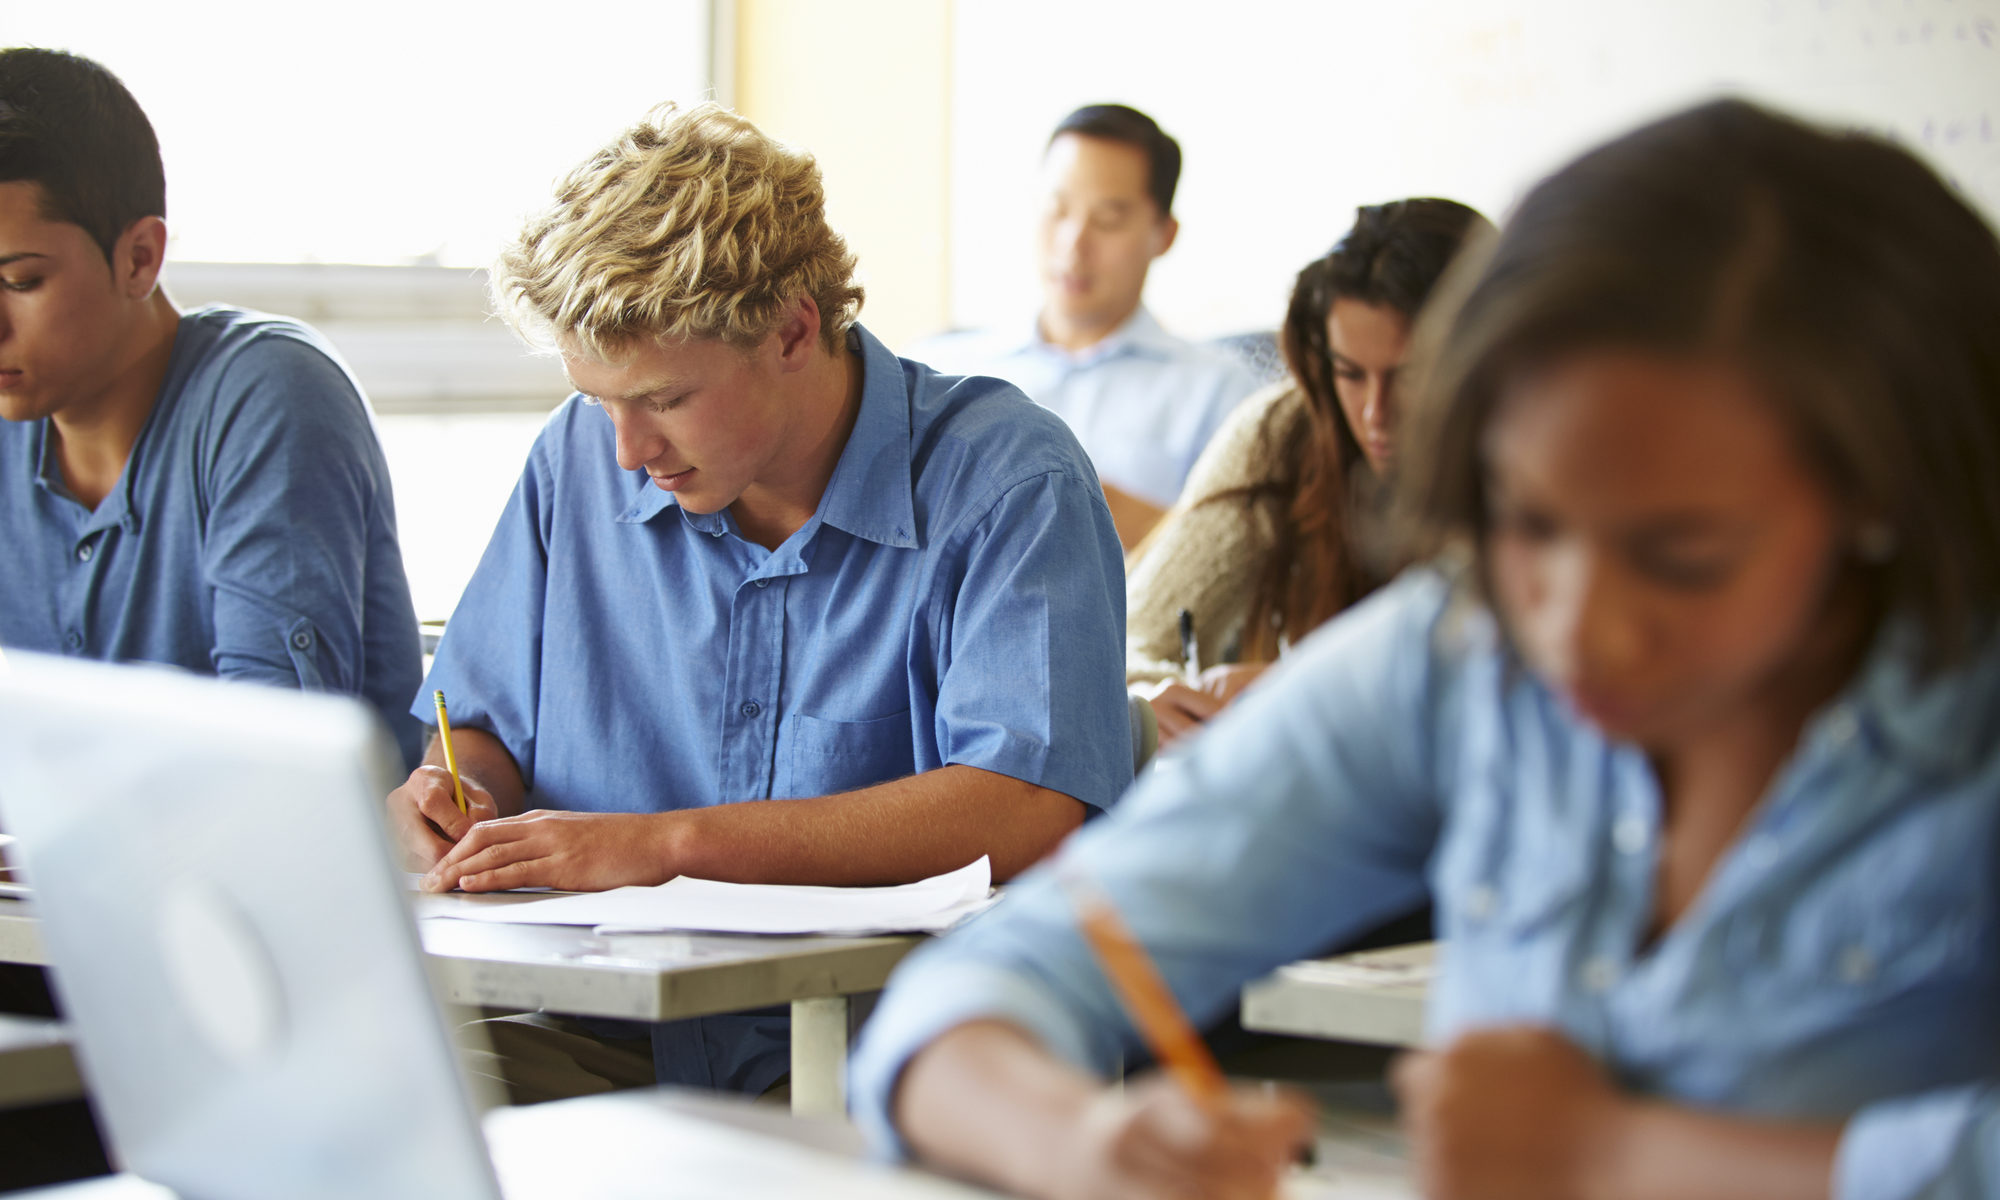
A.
x: 1874, y: 542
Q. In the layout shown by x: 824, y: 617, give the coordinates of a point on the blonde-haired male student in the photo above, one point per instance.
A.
x: 769, y: 604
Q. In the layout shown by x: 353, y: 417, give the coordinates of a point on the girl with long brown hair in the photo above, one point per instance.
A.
x: 1272, y: 534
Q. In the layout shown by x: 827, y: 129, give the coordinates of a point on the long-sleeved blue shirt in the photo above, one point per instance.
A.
x: 958, y: 597
x: 1841, y: 963
x: 252, y: 534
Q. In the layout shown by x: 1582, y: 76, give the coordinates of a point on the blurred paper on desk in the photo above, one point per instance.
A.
x: 928, y: 906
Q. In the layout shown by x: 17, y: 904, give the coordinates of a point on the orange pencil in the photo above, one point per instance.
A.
x: 1137, y: 981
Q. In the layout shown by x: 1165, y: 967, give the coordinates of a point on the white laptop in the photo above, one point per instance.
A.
x: 233, y: 946
x: 229, y: 936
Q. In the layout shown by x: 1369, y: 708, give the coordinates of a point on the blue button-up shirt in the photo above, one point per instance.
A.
x: 252, y: 534
x: 957, y: 597
x: 1142, y: 401
x: 1842, y: 962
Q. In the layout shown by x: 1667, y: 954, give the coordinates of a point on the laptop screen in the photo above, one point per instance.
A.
x: 229, y: 936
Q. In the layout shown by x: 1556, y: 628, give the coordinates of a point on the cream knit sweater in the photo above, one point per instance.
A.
x: 1207, y: 558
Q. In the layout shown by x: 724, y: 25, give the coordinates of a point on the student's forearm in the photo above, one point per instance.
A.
x: 986, y: 1101
x: 483, y: 758
x: 893, y: 832
x: 1661, y: 1152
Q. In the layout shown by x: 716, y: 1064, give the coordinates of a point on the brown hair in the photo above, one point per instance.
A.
x: 1392, y: 257
x: 1834, y: 267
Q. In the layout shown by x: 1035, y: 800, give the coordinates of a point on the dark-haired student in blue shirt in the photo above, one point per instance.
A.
x: 200, y: 489
x: 1697, y: 748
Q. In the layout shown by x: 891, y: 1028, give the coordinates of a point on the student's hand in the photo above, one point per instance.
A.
x: 1507, y: 1113
x: 1154, y: 1140
x: 573, y: 852
x: 424, y: 816
x: 1226, y: 681
x: 1179, y: 709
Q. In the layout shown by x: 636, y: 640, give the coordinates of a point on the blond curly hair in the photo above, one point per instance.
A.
x: 692, y: 224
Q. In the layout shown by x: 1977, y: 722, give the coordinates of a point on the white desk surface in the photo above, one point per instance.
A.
x: 649, y: 977
x: 1372, y: 996
x: 36, y: 1066
x: 642, y: 977
x: 674, y: 1143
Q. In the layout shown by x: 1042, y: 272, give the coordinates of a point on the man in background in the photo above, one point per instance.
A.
x: 1142, y: 401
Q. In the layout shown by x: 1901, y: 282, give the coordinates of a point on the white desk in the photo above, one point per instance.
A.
x: 635, y: 1144
x: 36, y: 1066
x: 567, y: 969
x: 1372, y: 996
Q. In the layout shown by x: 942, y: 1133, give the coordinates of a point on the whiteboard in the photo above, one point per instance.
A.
x: 1292, y: 113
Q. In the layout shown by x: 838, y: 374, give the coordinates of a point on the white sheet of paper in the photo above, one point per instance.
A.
x: 927, y: 906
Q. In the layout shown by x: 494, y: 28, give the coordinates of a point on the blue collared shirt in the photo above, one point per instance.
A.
x: 1842, y: 962
x: 252, y: 534
x: 1142, y: 401
x: 957, y: 597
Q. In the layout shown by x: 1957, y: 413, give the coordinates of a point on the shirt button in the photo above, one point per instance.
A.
x: 1630, y: 834
x: 84, y: 553
x: 1857, y: 965
x: 1599, y: 974
x: 1480, y: 902
x: 73, y: 640
x: 1840, y: 729
x: 751, y: 708
x: 763, y: 583
x: 302, y: 640
x: 715, y: 533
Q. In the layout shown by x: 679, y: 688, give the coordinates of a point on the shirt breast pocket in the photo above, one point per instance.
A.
x: 823, y: 756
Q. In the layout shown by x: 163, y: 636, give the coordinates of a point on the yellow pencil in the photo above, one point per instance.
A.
x: 450, y: 760
x: 1161, y: 1023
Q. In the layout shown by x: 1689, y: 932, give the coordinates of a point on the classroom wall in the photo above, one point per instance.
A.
x: 1291, y: 114
x: 866, y: 86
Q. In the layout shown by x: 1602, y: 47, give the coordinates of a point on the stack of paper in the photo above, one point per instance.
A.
x: 929, y: 906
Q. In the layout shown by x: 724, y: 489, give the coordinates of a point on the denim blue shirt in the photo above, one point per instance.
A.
x: 957, y: 597
x: 1842, y: 961
x: 1142, y: 401
x: 252, y: 534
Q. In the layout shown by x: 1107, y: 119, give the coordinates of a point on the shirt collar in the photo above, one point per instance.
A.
x: 1939, y: 722
x: 1140, y: 334
x: 116, y: 507
x: 870, y: 494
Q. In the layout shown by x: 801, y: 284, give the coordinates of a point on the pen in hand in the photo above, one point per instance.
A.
x: 1190, y: 653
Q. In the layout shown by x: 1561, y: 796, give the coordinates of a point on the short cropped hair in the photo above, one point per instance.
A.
x: 691, y: 224
x: 1119, y: 123
x: 1833, y: 267
x: 69, y: 125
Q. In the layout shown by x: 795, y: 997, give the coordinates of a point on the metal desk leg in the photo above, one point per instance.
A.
x: 819, y: 1057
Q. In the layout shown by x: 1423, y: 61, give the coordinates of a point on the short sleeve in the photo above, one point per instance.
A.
x: 296, y: 494
x: 488, y: 663
x: 1031, y: 683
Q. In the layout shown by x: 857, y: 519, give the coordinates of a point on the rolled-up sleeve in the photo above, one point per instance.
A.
x: 1307, y: 813
x: 1033, y: 677
x: 293, y: 478
x: 1942, y: 1145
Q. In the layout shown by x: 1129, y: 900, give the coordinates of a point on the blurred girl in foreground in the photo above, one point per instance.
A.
x: 1699, y: 749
